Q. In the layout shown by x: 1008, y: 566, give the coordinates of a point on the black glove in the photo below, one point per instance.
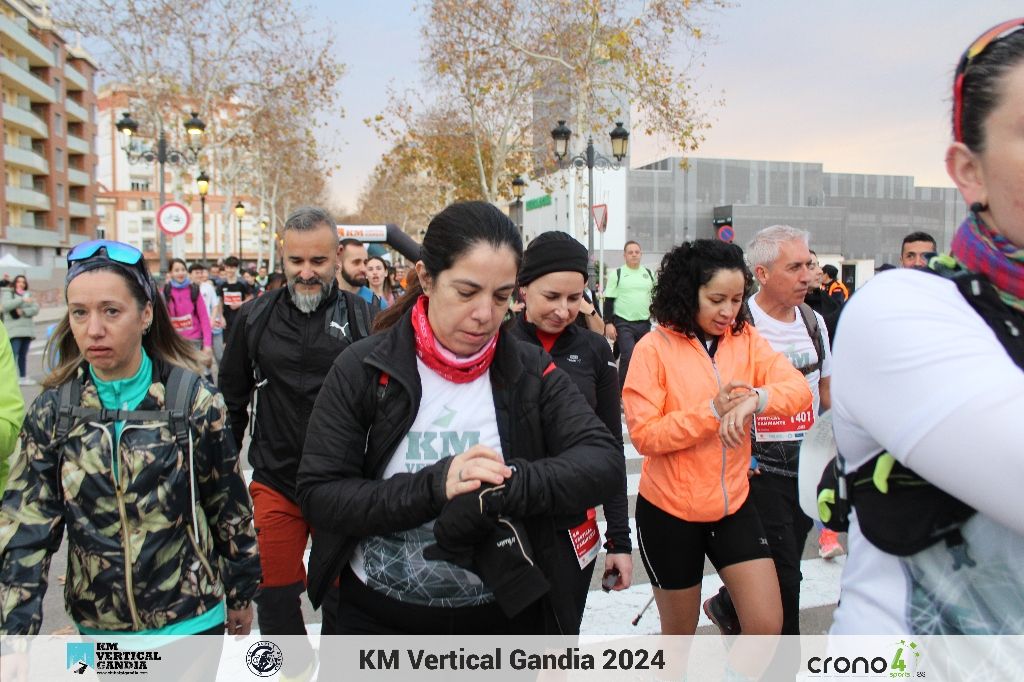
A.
x: 471, y: 534
x: 465, y: 521
x: 505, y: 563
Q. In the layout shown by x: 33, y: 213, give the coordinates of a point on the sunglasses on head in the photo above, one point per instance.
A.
x: 115, y: 251
x: 977, y: 47
x: 89, y: 255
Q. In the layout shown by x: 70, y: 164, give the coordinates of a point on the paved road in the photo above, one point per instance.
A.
x: 606, y: 613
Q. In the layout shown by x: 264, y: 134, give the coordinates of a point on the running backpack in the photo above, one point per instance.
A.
x: 180, y: 392
x: 898, y: 511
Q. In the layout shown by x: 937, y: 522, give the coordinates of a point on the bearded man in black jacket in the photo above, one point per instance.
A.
x: 278, y: 352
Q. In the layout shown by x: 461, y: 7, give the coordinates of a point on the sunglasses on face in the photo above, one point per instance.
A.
x: 977, y: 47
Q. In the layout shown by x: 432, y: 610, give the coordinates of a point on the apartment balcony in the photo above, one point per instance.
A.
x: 27, y: 197
x: 20, y: 79
x: 27, y: 120
x: 77, y: 145
x: 76, y: 111
x: 78, y: 177
x: 24, y: 43
x: 25, y: 159
x: 75, y: 79
x: 77, y: 209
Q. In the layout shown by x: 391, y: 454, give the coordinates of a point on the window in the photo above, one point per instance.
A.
x: 146, y: 204
x: 140, y: 185
x: 61, y: 199
x: 58, y: 159
x: 60, y: 224
x: 57, y: 88
x: 58, y: 125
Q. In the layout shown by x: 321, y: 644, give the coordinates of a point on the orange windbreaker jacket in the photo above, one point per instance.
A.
x: 687, y: 471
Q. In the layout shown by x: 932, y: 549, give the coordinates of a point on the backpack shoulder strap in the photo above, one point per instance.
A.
x: 180, y: 392
x: 194, y: 290
x: 256, y: 323
x: 68, y: 398
x: 351, y: 309
x: 649, y: 272
x: 814, y: 331
x: 618, y: 275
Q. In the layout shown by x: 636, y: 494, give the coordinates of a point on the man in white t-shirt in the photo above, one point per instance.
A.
x: 784, y: 268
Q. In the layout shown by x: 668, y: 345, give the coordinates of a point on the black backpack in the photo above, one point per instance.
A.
x: 898, y: 511
x: 180, y: 392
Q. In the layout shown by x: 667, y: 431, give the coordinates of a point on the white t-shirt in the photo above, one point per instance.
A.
x: 210, y: 298
x: 919, y: 374
x: 452, y: 418
x: 792, y: 340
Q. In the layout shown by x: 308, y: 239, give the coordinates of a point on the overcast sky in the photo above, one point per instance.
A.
x: 859, y: 86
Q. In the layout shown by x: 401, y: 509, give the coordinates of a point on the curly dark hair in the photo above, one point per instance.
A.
x: 684, y: 270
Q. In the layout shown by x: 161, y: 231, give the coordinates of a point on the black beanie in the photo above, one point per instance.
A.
x: 553, y: 252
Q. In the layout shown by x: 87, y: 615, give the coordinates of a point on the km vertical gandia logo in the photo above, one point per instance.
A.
x: 902, y: 663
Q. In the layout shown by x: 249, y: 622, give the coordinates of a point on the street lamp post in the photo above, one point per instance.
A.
x: 518, y: 188
x: 259, y: 243
x: 589, y: 159
x: 240, y: 212
x: 163, y: 155
x: 203, y: 182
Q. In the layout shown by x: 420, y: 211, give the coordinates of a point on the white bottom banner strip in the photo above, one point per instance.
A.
x: 931, y: 658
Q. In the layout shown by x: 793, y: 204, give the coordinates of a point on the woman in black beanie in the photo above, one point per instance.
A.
x: 551, y: 283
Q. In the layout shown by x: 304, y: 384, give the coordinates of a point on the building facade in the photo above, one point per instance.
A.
x: 854, y: 216
x: 48, y: 198
x: 131, y: 192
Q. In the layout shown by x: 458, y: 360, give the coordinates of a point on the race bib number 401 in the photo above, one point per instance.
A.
x: 769, y: 428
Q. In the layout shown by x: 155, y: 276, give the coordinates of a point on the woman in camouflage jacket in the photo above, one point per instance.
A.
x: 159, y: 540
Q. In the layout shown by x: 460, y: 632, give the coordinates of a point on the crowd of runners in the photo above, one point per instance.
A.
x: 445, y: 454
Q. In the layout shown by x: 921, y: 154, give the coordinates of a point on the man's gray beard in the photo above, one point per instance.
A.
x: 307, y: 303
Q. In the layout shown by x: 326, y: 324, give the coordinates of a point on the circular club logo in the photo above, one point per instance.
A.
x: 264, y: 658
x: 173, y: 218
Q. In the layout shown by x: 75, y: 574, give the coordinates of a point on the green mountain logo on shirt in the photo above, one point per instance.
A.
x: 445, y: 420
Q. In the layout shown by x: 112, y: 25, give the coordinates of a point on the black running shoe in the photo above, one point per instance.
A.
x: 720, y: 611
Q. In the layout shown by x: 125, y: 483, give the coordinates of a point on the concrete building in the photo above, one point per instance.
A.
x: 857, y: 217
x: 857, y: 222
x: 47, y: 200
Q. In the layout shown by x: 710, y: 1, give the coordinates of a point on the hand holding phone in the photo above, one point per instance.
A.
x: 611, y: 577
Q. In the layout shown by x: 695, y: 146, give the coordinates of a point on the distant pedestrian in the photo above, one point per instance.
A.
x: 377, y: 280
x: 627, y: 306
x: 19, y: 307
x: 233, y: 292
x: 188, y: 310
x: 916, y: 248
x: 836, y: 290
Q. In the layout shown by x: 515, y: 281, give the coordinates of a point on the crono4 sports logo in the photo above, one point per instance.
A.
x: 903, y: 663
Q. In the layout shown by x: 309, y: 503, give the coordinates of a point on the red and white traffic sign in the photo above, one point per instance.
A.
x: 173, y: 218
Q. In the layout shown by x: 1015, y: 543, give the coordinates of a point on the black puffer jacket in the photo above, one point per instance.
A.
x: 587, y: 358
x: 566, y: 457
